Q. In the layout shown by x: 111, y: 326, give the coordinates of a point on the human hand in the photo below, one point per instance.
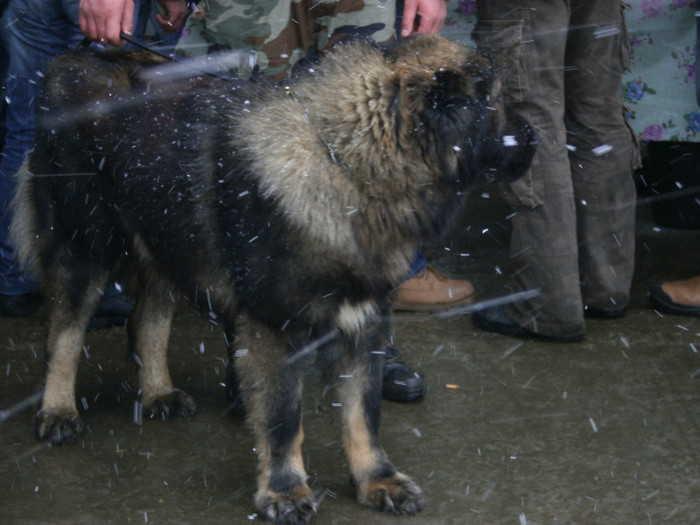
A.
x: 423, y: 16
x: 103, y: 20
x: 176, y: 14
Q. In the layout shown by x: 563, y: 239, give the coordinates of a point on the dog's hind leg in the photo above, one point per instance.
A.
x: 149, y: 332
x: 377, y: 482
x: 233, y: 388
x: 72, y: 299
x: 272, y: 391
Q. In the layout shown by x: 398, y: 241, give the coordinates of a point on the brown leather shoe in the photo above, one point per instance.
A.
x: 431, y: 291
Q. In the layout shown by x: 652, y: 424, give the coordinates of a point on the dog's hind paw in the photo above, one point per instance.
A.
x: 295, y: 507
x: 57, y: 428
x: 397, y: 494
x: 176, y: 404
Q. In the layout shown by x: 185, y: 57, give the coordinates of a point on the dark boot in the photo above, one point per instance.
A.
x: 399, y: 382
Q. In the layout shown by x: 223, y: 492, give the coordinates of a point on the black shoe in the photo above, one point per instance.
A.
x: 663, y: 303
x: 399, y: 382
x: 114, y: 310
x: 607, y: 313
x: 496, y: 319
x: 21, y: 305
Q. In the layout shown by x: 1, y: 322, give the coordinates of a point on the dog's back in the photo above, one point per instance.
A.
x: 79, y: 107
x: 73, y: 82
x: 116, y: 150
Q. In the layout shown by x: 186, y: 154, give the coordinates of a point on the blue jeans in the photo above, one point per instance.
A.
x: 33, y: 31
x: 145, y: 11
x: 418, y: 264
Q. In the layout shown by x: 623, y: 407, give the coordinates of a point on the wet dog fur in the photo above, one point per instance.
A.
x: 290, y: 215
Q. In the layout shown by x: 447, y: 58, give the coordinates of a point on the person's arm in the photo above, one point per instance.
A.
x: 103, y: 20
x: 176, y: 15
x: 423, y: 16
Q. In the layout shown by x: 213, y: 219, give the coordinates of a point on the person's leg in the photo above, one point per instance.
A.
x: 282, y: 33
x: 34, y: 31
x: 145, y: 12
x: 603, y: 154
x: 348, y: 19
x: 142, y: 14
x: 4, y: 59
x: 262, y: 28
x: 543, y: 249
x: 166, y: 42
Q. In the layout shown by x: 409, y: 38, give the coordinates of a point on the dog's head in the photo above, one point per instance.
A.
x: 408, y: 129
x: 455, y: 110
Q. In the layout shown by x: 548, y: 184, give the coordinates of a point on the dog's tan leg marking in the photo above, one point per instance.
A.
x: 283, y: 495
x: 149, y: 331
x: 378, y: 484
x: 272, y: 394
x: 58, y: 421
x: 357, y: 440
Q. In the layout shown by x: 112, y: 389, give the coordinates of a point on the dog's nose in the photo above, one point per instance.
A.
x: 518, y: 146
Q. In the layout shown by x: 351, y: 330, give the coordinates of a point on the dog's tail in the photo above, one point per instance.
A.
x: 23, y: 230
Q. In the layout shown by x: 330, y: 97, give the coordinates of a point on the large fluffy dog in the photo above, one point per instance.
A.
x: 289, y: 214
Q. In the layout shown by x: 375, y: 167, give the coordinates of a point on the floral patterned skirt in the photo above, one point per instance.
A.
x: 659, y: 91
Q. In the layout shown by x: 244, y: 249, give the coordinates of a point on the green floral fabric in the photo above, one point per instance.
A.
x: 659, y: 91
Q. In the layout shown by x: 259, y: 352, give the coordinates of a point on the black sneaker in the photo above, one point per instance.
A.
x: 399, y: 382
x: 607, y: 313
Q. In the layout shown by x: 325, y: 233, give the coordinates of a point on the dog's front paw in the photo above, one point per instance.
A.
x: 295, y: 507
x: 177, y: 404
x: 397, y: 494
x: 58, y: 428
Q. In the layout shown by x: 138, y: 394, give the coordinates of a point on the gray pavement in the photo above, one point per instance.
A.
x: 605, y: 431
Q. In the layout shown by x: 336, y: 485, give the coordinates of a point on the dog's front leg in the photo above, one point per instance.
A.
x: 272, y: 389
x: 377, y: 482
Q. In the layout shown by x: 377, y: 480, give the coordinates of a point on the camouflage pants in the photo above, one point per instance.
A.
x: 574, y: 212
x: 280, y: 33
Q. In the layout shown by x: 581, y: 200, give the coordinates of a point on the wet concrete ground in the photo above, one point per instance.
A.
x: 605, y: 431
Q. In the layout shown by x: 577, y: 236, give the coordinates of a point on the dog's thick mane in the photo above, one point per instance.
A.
x: 363, y: 118
x: 371, y: 136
